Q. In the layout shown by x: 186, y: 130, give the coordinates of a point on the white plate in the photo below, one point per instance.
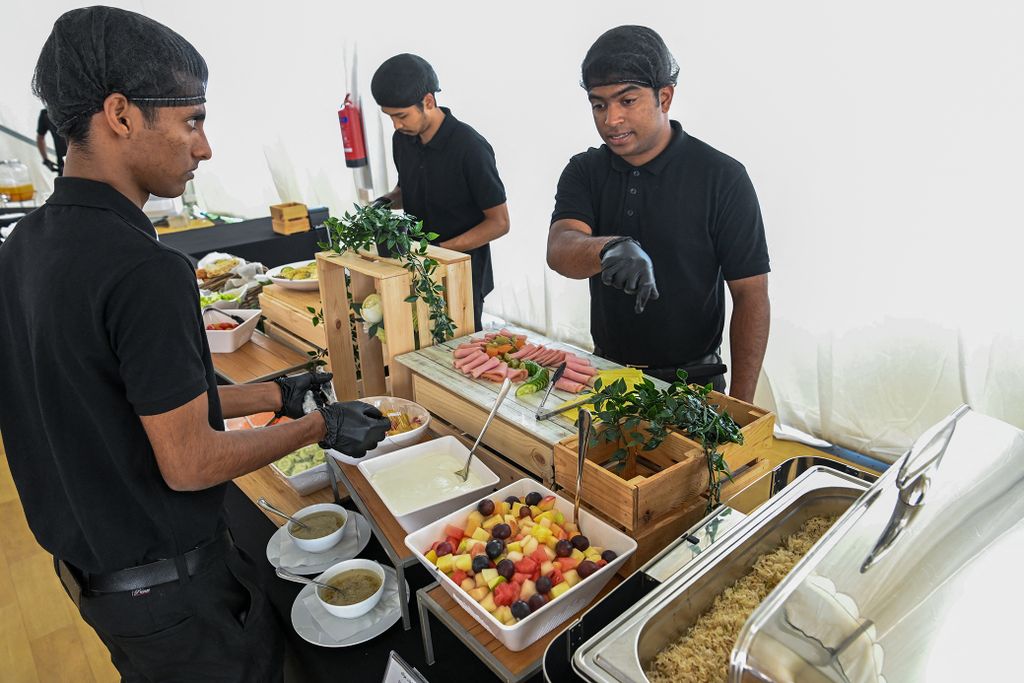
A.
x: 364, y: 628
x: 274, y: 275
x: 346, y: 549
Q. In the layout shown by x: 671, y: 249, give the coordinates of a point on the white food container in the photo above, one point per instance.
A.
x: 227, y: 341
x: 307, y: 481
x: 420, y: 517
x: 526, y: 631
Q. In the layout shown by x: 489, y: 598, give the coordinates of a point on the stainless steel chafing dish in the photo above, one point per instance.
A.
x: 910, y: 584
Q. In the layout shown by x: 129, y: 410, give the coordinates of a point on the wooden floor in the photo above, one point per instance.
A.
x: 42, y: 637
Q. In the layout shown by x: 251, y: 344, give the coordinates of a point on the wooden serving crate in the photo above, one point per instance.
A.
x: 668, y: 494
x: 370, y: 273
x: 288, y: 309
x: 289, y: 218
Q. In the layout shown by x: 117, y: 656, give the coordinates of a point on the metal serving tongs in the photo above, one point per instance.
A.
x: 554, y: 378
x: 913, y: 485
x: 583, y: 423
x: 505, y: 386
x: 237, y: 319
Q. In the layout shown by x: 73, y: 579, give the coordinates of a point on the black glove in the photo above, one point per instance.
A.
x: 353, y: 427
x: 380, y: 203
x: 293, y: 390
x: 626, y: 266
x: 50, y: 165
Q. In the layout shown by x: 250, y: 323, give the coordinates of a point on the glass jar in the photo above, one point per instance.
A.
x: 15, y: 181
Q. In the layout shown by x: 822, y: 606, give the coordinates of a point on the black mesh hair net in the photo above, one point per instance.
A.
x: 96, y: 51
x: 629, y: 54
x: 403, y: 80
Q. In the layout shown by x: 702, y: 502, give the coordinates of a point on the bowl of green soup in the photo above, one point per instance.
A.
x: 355, y: 588
x: 325, y: 524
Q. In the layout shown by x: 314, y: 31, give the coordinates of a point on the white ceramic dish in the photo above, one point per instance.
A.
x: 319, y: 545
x: 307, y: 616
x: 390, y: 443
x: 275, y: 276
x: 282, y: 551
x: 526, y: 631
x: 417, y: 518
x: 227, y: 341
x: 360, y: 608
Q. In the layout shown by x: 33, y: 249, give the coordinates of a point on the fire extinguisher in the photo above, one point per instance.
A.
x: 351, y: 120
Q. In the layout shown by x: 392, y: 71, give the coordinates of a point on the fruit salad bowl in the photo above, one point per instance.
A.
x: 519, y: 568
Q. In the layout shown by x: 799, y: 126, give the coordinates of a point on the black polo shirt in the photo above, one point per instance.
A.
x: 448, y: 183
x: 99, y: 324
x: 694, y: 211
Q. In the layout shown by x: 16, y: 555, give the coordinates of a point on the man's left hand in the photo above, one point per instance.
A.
x: 293, y: 390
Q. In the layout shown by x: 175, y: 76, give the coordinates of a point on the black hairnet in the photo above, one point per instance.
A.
x: 403, y: 80
x: 629, y: 54
x: 96, y: 51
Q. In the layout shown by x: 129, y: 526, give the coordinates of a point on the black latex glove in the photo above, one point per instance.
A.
x: 626, y: 266
x: 293, y: 390
x: 50, y: 165
x: 353, y: 427
x: 380, y: 203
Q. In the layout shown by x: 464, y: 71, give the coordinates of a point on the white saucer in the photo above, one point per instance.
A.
x: 316, y: 563
x: 358, y: 630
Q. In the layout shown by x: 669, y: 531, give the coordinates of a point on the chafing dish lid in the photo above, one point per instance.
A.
x: 916, y: 582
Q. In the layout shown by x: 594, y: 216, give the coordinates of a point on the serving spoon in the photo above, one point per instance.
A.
x: 505, y: 386
x: 288, y: 576
x: 262, y: 502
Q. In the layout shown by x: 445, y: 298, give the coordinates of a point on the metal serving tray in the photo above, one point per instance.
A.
x: 620, y: 652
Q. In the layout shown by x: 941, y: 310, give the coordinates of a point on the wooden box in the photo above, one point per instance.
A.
x: 289, y: 310
x: 670, y: 479
x: 290, y: 218
x: 370, y: 273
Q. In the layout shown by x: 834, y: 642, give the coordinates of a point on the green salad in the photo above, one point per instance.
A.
x: 301, y: 460
x: 209, y: 300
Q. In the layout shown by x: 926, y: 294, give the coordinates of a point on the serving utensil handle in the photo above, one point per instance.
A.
x: 583, y: 424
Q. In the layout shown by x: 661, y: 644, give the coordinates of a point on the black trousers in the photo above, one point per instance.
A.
x: 216, y: 626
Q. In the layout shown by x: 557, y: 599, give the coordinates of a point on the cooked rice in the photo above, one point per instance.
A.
x: 702, y: 653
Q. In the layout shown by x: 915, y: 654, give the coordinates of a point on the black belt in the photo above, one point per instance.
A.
x: 154, y: 573
x: 710, y: 365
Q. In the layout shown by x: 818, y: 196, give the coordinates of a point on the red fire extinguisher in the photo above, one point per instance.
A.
x: 351, y: 120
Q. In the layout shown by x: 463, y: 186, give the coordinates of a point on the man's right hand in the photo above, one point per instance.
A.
x: 626, y: 266
x: 353, y: 427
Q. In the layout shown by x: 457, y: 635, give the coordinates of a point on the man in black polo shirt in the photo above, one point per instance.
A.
x: 447, y: 175
x: 111, y: 416
x: 658, y: 221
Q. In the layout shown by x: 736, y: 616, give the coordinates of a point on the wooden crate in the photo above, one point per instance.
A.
x: 289, y: 218
x: 371, y: 273
x: 289, y: 309
x: 671, y: 477
x: 664, y: 531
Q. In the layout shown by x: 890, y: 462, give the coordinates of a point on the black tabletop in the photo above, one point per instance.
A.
x: 365, y: 662
x: 252, y: 240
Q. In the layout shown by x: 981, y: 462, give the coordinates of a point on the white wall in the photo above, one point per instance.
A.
x: 883, y: 139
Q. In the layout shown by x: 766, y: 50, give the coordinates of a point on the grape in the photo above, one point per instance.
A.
x: 520, y: 609
x: 586, y: 568
x: 533, y: 498
x: 495, y: 547
x: 485, y: 507
x: 536, y: 602
x: 443, y: 548
x: 563, y: 548
x: 580, y: 542
x: 506, y: 568
x: 501, y: 531
x: 512, y: 499
x: 543, y: 584
x: 525, y: 511
x: 480, y: 563
x: 608, y: 555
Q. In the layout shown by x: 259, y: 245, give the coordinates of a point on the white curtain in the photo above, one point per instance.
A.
x: 884, y: 140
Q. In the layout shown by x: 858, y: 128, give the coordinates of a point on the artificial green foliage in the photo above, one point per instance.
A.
x: 403, y: 235
x: 640, y: 419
